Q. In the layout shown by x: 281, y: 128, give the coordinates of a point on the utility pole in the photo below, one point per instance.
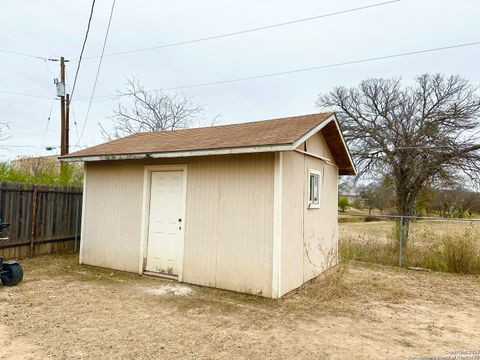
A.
x: 63, y: 124
x: 64, y: 114
x: 64, y: 108
x: 67, y: 124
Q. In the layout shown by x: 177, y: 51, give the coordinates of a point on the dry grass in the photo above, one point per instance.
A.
x: 437, y: 245
x: 462, y: 254
x: 66, y: 311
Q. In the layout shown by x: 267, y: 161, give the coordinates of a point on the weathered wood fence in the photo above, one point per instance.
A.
x: 44, y: 219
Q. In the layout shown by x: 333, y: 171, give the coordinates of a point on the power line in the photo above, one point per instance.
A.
x: 25, y: 94
x: 48, y: 123
x: 269, y: 74
x: 47, y: 68
x: 12, y: 52
x: 260, y: 28
x: 98, y: 73
x: 75, y: 122
x: 71, y: 106
x: 326, y: 66
x: 323, y: 66
x: 83, y: 49
x: 21, y: 146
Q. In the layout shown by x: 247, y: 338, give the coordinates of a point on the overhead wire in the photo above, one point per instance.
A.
x: 203, y: 84
x: 98, y: 73
x: 344, y: 63
x: 47, y: 68
x: 245, y: 31
x: 13, y: 52
x: 319, y: 67
x: 25, y: 94
x: 75, y: 123
x: 6, y: 146
x: 48, y: 123
x: 179, y: 43
x: 83, y: 49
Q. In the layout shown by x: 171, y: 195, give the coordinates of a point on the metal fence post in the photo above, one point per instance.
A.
x: 400, y: 258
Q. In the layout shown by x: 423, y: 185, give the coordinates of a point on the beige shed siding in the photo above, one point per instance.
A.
x: 292, y: 221
x: 309, y: 236
x: 228, y: 225
x: 320, y: 226
x: 318, y: 146
x: 113, y: 210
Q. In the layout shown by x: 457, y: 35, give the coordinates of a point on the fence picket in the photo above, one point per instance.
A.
x: 42, y: 218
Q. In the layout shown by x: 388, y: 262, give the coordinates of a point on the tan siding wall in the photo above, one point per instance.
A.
x: 310, y: 238
x: 320, y: 227
x: 228, y: 225
x: 113, y: 210
x: 318, y: 146
x: 292, y: 221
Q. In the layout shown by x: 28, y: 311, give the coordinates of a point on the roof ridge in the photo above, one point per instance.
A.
x: 238, y: 124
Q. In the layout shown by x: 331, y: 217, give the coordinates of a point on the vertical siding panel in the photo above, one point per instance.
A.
x: 113, y: 211
x: 311, y: 231
x: 234, y: 228
x: 228, y: 228
x: 292, y: 221
x: 240, y: 233
x: 320, y: 227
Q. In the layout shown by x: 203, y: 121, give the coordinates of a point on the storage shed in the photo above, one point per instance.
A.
x: 248, y: 207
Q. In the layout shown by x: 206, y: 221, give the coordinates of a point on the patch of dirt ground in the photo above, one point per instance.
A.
x: 65, y: 311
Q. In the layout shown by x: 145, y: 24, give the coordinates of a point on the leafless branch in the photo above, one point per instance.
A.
x: 150, y: 111
x: 416, y: 135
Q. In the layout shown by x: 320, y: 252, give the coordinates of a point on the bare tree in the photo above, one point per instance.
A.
x: 456, y: 202
x: 376, y: 196
x: 416, y: 135
x: 151, y: 111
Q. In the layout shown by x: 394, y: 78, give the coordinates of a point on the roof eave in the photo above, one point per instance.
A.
x: 353, y: 170
x: 174, y: 154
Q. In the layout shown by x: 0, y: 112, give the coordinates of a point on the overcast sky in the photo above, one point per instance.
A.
x: 50, y: 28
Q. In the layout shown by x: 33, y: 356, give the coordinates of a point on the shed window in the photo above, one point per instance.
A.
x: 313, y: 189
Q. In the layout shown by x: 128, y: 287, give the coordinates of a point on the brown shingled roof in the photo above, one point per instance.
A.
x: 274, y: 132
x: 258, y: 133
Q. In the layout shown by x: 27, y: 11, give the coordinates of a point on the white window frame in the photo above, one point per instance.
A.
x: 311, y: 172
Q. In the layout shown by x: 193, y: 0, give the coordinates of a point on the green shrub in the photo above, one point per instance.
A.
x: 71, y: 175
x: 343, y: 203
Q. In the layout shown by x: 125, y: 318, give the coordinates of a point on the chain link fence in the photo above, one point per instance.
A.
x: 438, y: 244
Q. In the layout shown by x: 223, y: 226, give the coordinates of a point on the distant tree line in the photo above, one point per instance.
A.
x: 455, y: 202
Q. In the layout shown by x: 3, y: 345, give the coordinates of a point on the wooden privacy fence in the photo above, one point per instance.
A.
x: 44, y: 219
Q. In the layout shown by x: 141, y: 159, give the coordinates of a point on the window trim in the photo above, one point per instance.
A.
x: 311, y: 172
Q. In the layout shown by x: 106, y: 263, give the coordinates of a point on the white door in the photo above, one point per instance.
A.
x: 165, y: 228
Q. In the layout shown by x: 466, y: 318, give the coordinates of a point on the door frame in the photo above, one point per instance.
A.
x: 147, y: 184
